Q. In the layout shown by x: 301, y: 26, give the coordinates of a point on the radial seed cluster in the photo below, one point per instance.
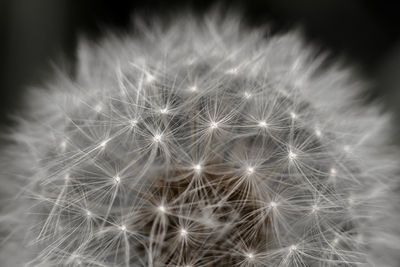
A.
x: 203, y: 143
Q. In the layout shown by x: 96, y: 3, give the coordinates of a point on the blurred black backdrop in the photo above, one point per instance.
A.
x: 35, y: 33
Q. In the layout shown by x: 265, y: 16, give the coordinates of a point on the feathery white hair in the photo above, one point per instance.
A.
x: 202, y: 143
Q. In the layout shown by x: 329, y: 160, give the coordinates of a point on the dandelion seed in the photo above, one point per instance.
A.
x: 133, y: 123
x: 332, y: 172
x: 318, y: 132
x: 98, y: 108
x: 161, y: 209
x: 213, y: 125
x: 149, y: 78
x: 249, y: 256
x: 89, y: 213
x: 197, y: 168
x: 346, y: 148
x: 122, y: 228
x: 232, y: 71
x: 157, y: 138
x: 273, y: 204
x: 117, y: 179
x: 335, y: 241
x: 103, y: 144
x: 296, y: 65
x: 247, y: 95
x: 193, y: 88
x: 293, y: 115
x: 67, y: 177
x: 190, y: 62
x: 164, y: 111
x: 250, y: 170
x: 63, y: 145
x: 183, y: 232
x: 315, y: 208
x: 293, y: 248
x: 292, y: 155
x: 262, y: 124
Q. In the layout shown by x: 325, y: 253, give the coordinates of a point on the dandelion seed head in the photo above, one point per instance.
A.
x: 226, y: 139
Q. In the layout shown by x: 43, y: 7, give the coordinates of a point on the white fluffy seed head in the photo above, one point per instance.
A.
x: 199, y: 117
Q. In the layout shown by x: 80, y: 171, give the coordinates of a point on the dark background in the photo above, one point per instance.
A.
x: 36, y: 33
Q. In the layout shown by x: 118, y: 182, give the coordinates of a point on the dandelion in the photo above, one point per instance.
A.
x: 211, y: 128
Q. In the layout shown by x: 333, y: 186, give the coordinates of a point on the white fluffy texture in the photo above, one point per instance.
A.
x: 202, y: 144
